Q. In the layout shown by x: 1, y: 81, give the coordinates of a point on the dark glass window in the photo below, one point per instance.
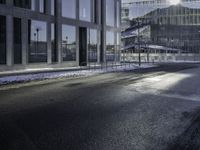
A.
x: 2, y: 1
x: 2, y: 40
x: 17, y: 41
x: 110, y: 46
x: 68, y: 43
x: 92, y: 45
x: 37, y: 41
x: 69, y: 8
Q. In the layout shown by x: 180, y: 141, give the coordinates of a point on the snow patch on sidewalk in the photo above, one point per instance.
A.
x: 67, y: 74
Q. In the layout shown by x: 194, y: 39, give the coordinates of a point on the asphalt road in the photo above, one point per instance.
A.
x: 150, y: 109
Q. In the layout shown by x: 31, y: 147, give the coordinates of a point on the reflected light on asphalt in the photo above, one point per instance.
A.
x: 162, y: 82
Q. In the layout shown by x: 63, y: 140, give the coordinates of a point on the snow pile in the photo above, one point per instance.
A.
x: 67, y: 74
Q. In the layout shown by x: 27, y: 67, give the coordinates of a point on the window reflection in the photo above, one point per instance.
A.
x: 2, y: 40
x: 68, y: 43
x: 110, y: 12
x: 85, y: 10
x: 92, y: 45
x: 69, y: 8
x: 110, y: 46
x: 37, y: 41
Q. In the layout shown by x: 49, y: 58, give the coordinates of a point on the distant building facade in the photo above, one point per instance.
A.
x: 173, y: 29
x: 136, y: 8
x: 54, y: 33
x: 176, y: 26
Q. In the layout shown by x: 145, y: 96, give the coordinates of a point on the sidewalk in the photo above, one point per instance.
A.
x: 22, y: 76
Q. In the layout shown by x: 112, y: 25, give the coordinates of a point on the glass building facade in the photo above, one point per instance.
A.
x: 68, y: 43
x: 59, y: 32
x: 37, y: 41
x: 164, y: 30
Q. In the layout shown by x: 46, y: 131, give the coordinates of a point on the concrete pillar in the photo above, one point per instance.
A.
x: 9, y: 40
x: 98, y: 46
x: 24, y: 41
x: 59, y: 30
x: 49, y: 49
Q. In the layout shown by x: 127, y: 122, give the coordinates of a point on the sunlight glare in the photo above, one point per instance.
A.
x: 174, y: 2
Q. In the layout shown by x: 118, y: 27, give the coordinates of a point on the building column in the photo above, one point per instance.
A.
x: 99, y: 16
x: 49, y: 49
x: 24, y: 41
x: 77, y: 34
x: 59, y: 30
x: 103, y: 35
x: 98, y: 46
x: 9, y: 40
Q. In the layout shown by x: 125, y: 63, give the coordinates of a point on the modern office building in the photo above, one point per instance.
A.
x: 174, y: 29
x: 58, y: 33
x: 137, y: 8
